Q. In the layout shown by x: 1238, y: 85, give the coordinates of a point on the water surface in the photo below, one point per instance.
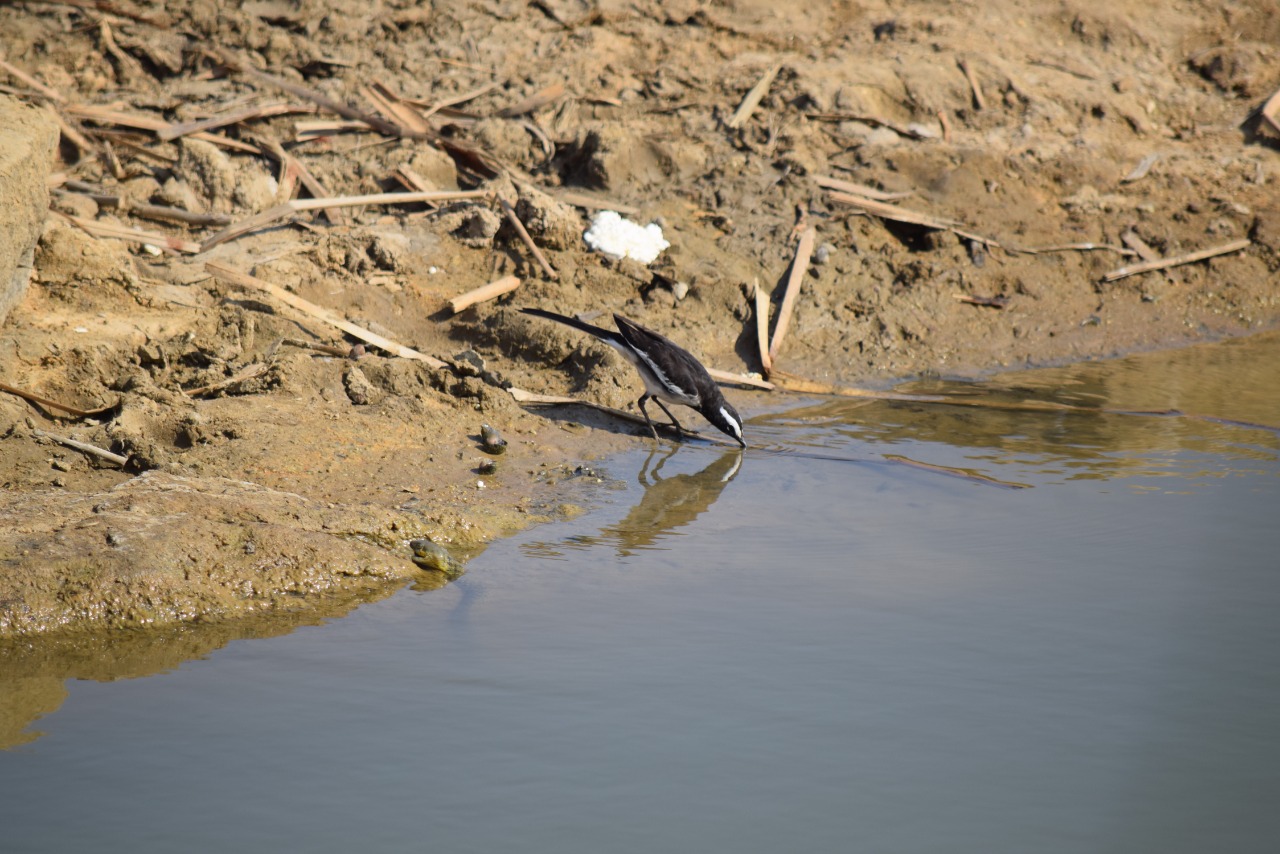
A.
x: 775, y: 651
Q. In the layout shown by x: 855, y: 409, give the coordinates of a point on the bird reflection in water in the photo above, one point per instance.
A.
x: 669, y: 502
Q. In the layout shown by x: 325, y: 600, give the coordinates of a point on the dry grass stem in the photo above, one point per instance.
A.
x: 758, y: 91
x: 238, y: 277
x: 493, y: 290
x: 799, y: 266
x: 1189, y: 258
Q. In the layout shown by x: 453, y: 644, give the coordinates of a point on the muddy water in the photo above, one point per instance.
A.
x: 775, y: 652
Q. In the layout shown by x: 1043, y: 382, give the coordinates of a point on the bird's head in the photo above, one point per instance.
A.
x: 726, y: 419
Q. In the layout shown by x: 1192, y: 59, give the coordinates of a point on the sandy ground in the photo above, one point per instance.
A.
x: 1042, y: 144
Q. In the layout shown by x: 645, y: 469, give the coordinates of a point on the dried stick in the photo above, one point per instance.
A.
x: 120, y: 232
x: 758, y: 91
x: 53, y: 404
x: 887, y: 211
x: 390, y: 104
x: 533, y: 102
x: 234, y: 62
x: 248, y: 372
x: 83, y: 446
x: 15, y: 71
x: 829, y: 183
x: 387, y: 199
x: 739, y: 379
x: 1189, y: 258
x: 528, y: 241
x: 104, y: 115
x: 493, y: 290
x: 237, y: 277
x: 286, y: 209
x: 172, y: 132
x: 1271, y: 110
x: 762, y: 327
x: 978, y: 101
x: 799, y: 266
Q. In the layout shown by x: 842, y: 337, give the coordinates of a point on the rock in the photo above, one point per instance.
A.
x: 28, y: 139
x: 611, y: 157
x: 68, y: 257
x: 552, y: 224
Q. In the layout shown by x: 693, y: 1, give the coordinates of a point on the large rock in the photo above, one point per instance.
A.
x: 28, y: 139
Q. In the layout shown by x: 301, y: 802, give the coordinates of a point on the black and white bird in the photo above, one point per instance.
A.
x: 669, y: 371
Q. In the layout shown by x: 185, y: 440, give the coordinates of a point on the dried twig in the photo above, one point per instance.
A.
x: 235, y: 117
x: 14, y: 71
x: 739, y: 379
x: 238, y: 277
x: 979, y: 102
x: 248, y: 372
x: 120, y: 232
x: 874, y: 121
x: 829, y: 183
x: 1131, y: 239
x: 989, y: 302
x: 94, y: 450
x: 946, y: 125
x: 391, y: 105
x: 240, y: 65
x: 533, y: 102
x: 799, y: 266
x: 528, y: 241
x: 752, y: 100
x: 1271, y: 110
x: 53, y: 404
x: 762, y: 326
x: 493, y: 290
x: 104, y: 115
x: 893, y: 212
x: 1189, y: 258
x: 287, y: 209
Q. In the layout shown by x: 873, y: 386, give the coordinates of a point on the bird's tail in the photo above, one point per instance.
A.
x: 600, y: 332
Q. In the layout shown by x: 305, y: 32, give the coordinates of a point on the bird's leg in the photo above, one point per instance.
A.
x: 679, y: 429
x: 645, y: 413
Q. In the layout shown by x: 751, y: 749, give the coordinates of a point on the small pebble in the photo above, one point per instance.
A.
x: 491, y: 441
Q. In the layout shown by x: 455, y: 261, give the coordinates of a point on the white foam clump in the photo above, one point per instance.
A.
x: 619, y: 237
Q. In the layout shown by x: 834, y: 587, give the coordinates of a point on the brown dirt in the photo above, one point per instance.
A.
x: 329, y: 465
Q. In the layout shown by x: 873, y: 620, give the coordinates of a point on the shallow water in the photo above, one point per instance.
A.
x: 773, y: 652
